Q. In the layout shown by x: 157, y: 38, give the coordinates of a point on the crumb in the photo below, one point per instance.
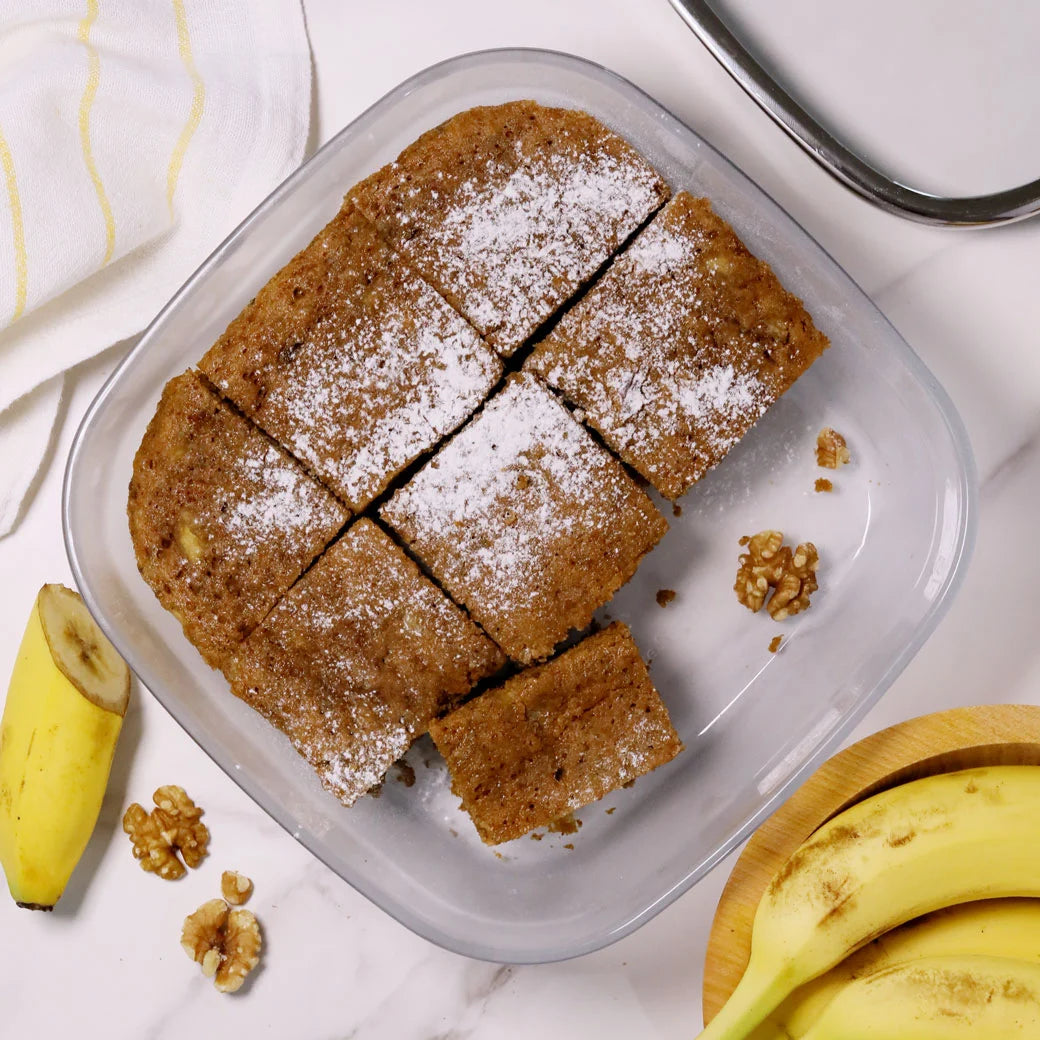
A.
x: 665, y: 596
x: 568, y: 824
x: 498, y: 855
x: 536, y: 836
x: 774, y: 644
x: 823, y: 484
x: 454, y: 833
x: 236, y: 888
x: 676, y: 509
x: 570, y: 846
x: 405, y: 774
x: 831, y: 449
x: 611, y: 809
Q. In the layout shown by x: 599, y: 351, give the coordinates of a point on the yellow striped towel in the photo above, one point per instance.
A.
x: 134, y: 135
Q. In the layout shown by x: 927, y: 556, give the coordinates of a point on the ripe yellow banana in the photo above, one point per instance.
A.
x: 938, y: 998
x: 991, y: 927
x: 64, y: 710
x: 923, y: 845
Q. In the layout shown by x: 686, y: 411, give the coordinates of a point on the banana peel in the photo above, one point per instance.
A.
x: 937, y: 998
x: 65, y: 705
x: 989, y: 927
x: 923, y: 845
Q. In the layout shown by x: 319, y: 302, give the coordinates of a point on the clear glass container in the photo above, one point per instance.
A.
x: 893, y: 538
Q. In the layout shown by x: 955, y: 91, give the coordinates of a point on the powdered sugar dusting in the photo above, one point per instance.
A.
x: 348, y: 771
x: 508, y: 498
x: 372, y: 390
x: 272, y: 502
x: 517, y: 242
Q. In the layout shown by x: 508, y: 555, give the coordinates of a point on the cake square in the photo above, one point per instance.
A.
x: 357, y: 659
x: 556, y: 737
x: 352, y: 362
x: 526, y: 520
x: 222, y: 520
x: 509, y: 209
x: 679, y: 349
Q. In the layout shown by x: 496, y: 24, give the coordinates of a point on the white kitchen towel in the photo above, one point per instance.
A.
x: 134, y: 135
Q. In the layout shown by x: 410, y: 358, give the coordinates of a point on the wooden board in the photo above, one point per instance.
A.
x: 1005, y: 734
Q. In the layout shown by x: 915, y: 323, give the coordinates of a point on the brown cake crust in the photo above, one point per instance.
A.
x: 526, y: 520
x: 222, y: 521
x: 556, y: 737
x: 681, y: 346
x: 509, y: 209
x: 358, y: 658
x: 352, y: 362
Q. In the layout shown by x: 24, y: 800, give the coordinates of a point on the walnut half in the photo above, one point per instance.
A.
x: 172, y: 826
x: 767, y: 565
x: 225, y: 942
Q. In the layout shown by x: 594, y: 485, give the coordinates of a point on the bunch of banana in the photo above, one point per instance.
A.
x: 938, y: 842
x: 64, y: 710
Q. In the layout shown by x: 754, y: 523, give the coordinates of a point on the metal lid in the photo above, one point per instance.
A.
x: 833, y: 154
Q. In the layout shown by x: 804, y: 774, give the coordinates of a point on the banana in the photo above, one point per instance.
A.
x: 993, y: 927
x: 65, y: 706
x: 915, y: 848
x: 938, y: 998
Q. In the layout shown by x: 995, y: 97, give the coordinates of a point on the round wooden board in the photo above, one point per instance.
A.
x: 1005, y: 734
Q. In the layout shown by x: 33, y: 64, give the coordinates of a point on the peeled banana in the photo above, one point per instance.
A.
x: 923, y: 845
x: 991, y: 927
x: 937, y: 998
x: 65, y: 705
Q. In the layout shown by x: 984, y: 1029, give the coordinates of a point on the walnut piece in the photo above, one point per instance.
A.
x: 225, y: 942
x: 760, y: 567
x: 797, y: 583
x: 769, y: 564
x: 831, y: 450
x: 172, y: 826
x: 236, y: 888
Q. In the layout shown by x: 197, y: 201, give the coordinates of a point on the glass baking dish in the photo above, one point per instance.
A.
x: 893, y: 539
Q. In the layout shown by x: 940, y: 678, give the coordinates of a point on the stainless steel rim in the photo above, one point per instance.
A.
x: 1000, y: 207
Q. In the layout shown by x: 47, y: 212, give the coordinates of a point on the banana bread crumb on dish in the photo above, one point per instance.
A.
x: 352, y: 362
x: 681, y: 346
x: 222, y: 520
x: 358, y: 658
x: 508, y: 210
x: 557, y: 737
x: 526, y: 521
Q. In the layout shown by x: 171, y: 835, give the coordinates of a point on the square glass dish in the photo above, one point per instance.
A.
x: 893, y: 538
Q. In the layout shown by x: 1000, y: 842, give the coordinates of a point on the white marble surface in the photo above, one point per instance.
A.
x: 107, y: 962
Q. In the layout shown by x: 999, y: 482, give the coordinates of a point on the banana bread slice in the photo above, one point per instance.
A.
x: 526, y: 520
x: 351, y: 361
x: 681, y: 346
x: 556, y: 737
x: 508, y: 210
x: 357, y: 658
